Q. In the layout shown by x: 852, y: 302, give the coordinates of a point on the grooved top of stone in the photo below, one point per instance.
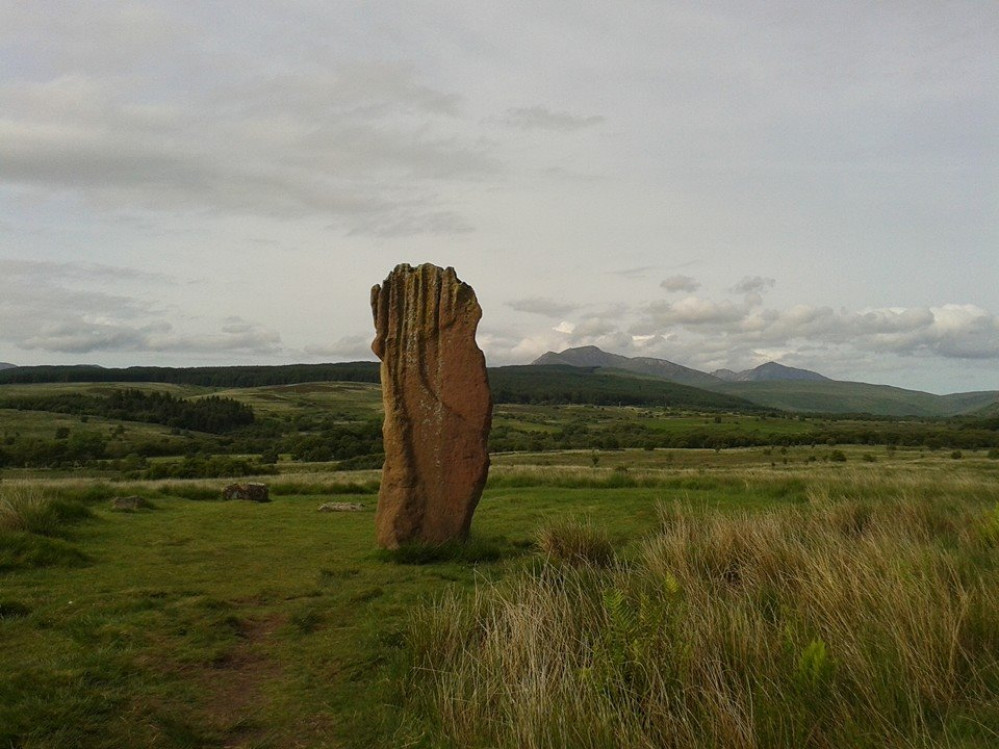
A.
x: 415, y: 303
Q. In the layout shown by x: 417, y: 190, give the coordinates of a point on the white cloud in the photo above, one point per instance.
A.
x: 708, y: 334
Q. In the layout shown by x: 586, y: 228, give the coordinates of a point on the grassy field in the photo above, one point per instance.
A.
x: 350, y: 401
x: 198, y: 623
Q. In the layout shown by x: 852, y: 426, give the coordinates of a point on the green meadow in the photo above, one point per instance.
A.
x: 833, y: 583
x: 601, y: 599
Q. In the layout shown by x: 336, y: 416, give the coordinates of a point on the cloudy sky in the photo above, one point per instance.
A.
x: 718, y: 183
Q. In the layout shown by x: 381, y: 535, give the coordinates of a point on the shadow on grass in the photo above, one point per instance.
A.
x: 21, y: 550
x: 476, y: 550
x: 13, y: 610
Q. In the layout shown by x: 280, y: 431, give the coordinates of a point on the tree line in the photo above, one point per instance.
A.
x: 222, y: 377
x: 212, y: 414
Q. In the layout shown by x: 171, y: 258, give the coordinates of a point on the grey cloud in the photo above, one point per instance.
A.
x: 404, y: 223
x: 348, y: 347
x: 54, y: 307
x: 636, y: 272
x: 754, y: 285
x: 681, y: 283
x: 46, y: 271
x: 365, y: 146
x: 543, y: 306
x: 79, y: 336
x: 84, y: 335
x: 542, y: 118
x: 236, y: 336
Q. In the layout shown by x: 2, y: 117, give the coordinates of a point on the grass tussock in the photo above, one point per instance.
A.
x: 34, y: 525
x: 26, y: 508
x: 575, y: 542
x: 839, y: 622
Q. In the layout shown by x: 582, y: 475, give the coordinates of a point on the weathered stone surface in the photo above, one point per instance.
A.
x: 251, y: 492
x: 438, y: 407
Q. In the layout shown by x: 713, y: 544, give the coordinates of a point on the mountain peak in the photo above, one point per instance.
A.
x: 581, y: 356
x: 769, y: 372
x: 591, y: 356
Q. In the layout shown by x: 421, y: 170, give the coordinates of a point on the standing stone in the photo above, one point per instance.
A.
x: 438, y: 407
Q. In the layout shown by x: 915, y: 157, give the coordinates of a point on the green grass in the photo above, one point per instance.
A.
x: 209, y: 623
x: 44, y: 425
x: 352, y: 401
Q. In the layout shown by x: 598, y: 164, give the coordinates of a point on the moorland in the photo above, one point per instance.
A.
x: 651, y: 564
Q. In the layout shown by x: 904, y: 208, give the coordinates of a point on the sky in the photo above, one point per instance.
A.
x: 718, y: 183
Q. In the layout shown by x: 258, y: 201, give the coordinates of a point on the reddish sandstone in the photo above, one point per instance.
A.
x: 438, y: 407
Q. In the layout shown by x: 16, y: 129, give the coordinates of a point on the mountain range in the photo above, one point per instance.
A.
x: 776, y: 385
x: 6, y: 365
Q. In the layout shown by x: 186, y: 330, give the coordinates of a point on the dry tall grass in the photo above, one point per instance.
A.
x: 868, y: 616
x: 24, y: 507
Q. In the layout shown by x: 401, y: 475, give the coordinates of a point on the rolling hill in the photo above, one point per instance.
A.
x: 836, y: 397
x: 777, y: 386
x: 563, y: 383
x: 524, y: 384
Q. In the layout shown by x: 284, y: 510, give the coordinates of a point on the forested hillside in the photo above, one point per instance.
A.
x: 223, y: 377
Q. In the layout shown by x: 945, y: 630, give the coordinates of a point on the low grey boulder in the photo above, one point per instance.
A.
x: 250, y: 492
x: 341, y: 507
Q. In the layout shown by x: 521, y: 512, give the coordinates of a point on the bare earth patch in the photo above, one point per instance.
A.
x: 233, y: 689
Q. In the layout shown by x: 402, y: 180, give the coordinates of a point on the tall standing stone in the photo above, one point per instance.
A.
x: 438, y: 407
